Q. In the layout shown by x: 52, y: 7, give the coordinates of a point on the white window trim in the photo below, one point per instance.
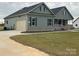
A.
x: 52, y: 23
x: 33, y: 21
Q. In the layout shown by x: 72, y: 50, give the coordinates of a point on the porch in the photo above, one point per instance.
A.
x: 60, y: 24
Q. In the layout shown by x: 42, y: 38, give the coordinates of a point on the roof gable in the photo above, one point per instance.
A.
x: 44, y: 9
x: 68, y: 13
x: 62, y: 13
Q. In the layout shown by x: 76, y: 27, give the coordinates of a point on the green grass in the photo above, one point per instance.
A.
x: 53, y: 43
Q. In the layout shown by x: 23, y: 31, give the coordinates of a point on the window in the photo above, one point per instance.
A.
x: 49, y: 22
x: 56, y: 21
x: 6, y: 22
x: 76, y: 25
x: 33, y: 21
x: 64, y: 22
x: 60, y: 21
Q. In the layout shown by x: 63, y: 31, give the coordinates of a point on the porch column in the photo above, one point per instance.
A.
x: 53, y: 22
x: 62, y: 22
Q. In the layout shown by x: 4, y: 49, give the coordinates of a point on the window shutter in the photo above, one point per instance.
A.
x: 47, y: 23
x: 30, y: 21
x: 36, y: 21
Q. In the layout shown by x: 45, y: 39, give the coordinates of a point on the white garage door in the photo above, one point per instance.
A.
x: 21, y: 25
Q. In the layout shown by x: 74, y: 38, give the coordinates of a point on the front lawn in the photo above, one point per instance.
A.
x: 53, y: 43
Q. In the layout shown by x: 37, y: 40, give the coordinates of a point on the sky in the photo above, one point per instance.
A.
x: 7, y: 8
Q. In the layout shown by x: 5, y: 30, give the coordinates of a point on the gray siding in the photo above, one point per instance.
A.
x: 41, y: 24
x: 13, y: 21
x: 63, y: 14
x: 37, y: 10
x: 41, y: 19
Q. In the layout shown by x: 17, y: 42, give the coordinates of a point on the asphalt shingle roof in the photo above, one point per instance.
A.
x: 27, y: 9
x: 56, y: 10
x: 23, y: 10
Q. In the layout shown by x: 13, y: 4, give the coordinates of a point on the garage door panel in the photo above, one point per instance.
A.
x: 20, y: 25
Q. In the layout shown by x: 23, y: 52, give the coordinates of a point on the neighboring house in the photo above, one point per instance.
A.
x: 38, y: 18
x: 76, y: 23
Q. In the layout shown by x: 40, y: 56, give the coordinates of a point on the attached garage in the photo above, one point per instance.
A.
x: 16, y: 23
x: 20, y: 24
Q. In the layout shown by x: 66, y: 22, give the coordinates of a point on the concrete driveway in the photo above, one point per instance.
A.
x: 9, y: 47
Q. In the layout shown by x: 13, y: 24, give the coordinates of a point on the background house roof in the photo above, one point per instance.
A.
x: 76, y: 19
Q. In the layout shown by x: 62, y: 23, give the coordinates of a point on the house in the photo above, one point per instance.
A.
x: 38, y: 18
x: 76, y: 23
